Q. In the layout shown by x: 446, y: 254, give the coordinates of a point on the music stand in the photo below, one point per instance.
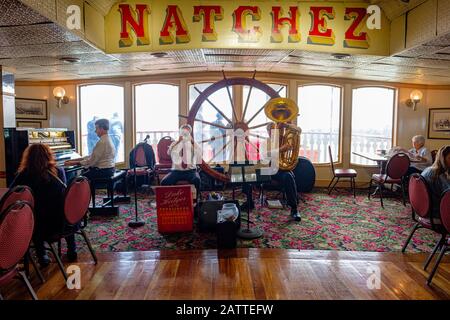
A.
x: 240, y: 174
x: 137, y: 222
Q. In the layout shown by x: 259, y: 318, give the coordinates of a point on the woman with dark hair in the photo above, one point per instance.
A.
x: 38, y: 171
x: 438, y: 177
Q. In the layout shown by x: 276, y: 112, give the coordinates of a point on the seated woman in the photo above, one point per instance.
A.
x: 38, y: 171
x: 185, y: 154
x: 438, y: 177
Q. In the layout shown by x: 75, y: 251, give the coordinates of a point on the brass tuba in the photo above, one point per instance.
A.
x: 282, y: 111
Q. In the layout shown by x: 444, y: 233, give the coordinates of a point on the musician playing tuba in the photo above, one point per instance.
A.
x: 282, y: 111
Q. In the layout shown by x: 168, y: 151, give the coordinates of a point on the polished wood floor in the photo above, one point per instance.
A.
x: 245, y: 274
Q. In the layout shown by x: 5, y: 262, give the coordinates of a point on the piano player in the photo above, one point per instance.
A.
x: 100, y: 163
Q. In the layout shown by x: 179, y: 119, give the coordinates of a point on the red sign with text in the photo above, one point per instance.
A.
x: 174, y: 208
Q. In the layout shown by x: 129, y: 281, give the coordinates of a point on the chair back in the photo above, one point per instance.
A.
x: 139, y: 156
x: 444, y: 209
x: 331, y: 159
x: 17, y: 193
x: 397, y: 165
x: 16, y: 231
x: 433, y: 155
x: 163, y: 146
x: 77, y: 199
x: 419, y: 195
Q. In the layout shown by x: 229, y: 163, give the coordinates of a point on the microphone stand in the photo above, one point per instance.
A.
x: 137, y: 222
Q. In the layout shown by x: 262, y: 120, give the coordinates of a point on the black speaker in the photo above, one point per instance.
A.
x: 207, y: 215
x: 305, y: 175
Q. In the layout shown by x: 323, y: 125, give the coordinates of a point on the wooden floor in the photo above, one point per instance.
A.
x: 245, y: 274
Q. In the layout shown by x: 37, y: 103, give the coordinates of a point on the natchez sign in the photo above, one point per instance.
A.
x: 143, y: 25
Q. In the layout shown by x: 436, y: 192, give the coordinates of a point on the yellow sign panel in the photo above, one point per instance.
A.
x: 145, y: 26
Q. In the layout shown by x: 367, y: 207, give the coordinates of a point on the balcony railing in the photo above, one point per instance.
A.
x: 313, y: 145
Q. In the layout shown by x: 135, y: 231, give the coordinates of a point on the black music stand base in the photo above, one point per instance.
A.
x: 136, y: 224
x: 250, y: 233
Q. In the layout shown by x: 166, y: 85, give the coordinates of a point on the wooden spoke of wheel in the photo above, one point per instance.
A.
x: 210, y: 139
x: 229, y: 96
x: 221, y: 150
x: 257, y: 136
x: 246, y: 103
x: 214, y: 106
x: 206, y: 122
x: 259, y: 125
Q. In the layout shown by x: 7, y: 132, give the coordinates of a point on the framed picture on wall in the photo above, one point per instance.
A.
x: 439, y: 123
x: 28, y: 124
x: 31, y: 109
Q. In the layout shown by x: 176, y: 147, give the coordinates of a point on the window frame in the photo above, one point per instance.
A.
x: 339, y: 159
x: 79, y: 133
x: 394, y: 121
x: 133, y: 107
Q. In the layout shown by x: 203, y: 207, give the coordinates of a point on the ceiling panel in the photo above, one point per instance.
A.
x: 14, y: 13
x: 34, y: 34
x: 51, y: 49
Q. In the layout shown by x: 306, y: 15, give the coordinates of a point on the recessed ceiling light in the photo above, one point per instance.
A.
x: 69, y: 59
x: 159, y: 54
x: 341, y: 55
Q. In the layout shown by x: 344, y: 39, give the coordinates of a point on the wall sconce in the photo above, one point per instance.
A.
x: 60, y: 96
x: 414, y: 99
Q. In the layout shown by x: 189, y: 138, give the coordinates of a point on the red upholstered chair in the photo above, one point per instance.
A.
x: 396, y: 169
x: 164, y: 160
x: 76, y: 204
x: 421, y: 204
x: 16, y: 231
x: 341, y: 173
x: 444, y: 243
x: 22, y: 193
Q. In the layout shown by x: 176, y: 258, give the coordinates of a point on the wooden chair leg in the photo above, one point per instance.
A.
x: 28, y: 285
x: 416, y: 226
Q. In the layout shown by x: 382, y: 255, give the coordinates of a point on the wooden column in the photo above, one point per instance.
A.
x: 7, y: 115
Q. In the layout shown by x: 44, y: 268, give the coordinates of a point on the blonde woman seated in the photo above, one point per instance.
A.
x: 438, y: 177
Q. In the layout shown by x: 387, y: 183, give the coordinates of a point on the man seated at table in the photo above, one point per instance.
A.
x: 420, y: 155
x: 100, y: 164
x: 185, y: 154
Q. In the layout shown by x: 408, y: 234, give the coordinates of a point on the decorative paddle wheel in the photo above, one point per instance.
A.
x: 236, y: 117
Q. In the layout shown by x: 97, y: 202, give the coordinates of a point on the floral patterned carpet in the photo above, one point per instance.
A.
x: 328, y: 223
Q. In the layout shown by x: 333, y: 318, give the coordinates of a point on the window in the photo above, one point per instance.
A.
x: 372, y: 120
x: 214, y: 149
x: 256, y: 101
x: 319, y: 119
x: 156, y: 112
x: 102, y: 101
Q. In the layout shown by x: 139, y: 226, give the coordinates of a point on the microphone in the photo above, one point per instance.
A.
x: 146, y: 138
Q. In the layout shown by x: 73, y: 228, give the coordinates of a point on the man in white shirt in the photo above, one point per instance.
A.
x: 100, y: 163
x: 420, y: 154
x: 185, y: 154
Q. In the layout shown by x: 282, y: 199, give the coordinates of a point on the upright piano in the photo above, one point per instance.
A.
x: 60, y: 141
